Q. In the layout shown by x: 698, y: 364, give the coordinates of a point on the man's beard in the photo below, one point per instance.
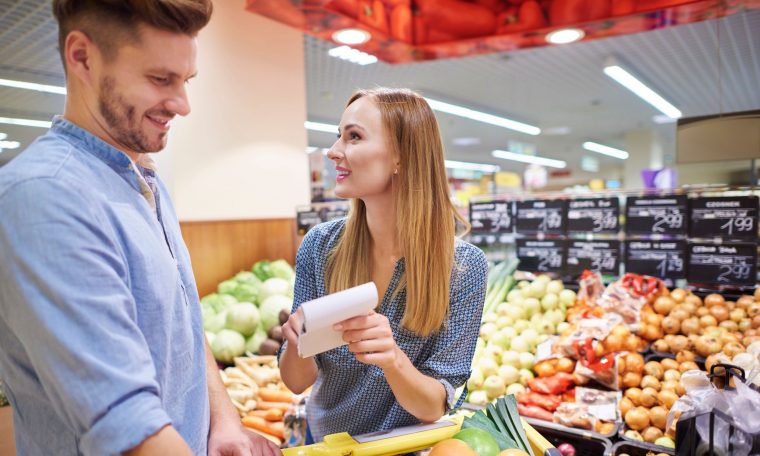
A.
x: 121, y: 119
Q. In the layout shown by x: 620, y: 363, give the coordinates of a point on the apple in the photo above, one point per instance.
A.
x: 521, y: 325
x: 487, y: 330
x: 514, y: 296
x: 515, y: 388
x: 478, y: 397
x: 490, y: 317
x: 532, y: 306
x: 494, y: 386
x: 522, y: 284
x: 568, y: 297
x: 487, y: 366
x: 527, y: 360
x: 538, y: 288
x: 476, y: 379
x: 510, y: 358
x: 515, y: 312
x: 501, y: 339
x: 520, y: 344
x: 555, y: 287
x: 525, y: 376
x: 531, y: 337
x: 509, y: 374
x: 504, y: 322
x: 549, y: 302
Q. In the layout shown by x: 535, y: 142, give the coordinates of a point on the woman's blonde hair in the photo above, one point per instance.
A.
x: 425, y: 216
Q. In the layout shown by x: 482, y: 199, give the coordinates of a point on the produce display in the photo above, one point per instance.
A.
x: 247, y: 311
x: 3, y: 399
x: 515, y: 321
x: 622, y: 353
x: 256, y: 390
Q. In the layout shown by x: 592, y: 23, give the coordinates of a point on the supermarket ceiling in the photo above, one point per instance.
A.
x: 702, y: 68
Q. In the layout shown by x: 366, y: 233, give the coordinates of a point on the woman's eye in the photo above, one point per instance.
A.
x: 354, y: 136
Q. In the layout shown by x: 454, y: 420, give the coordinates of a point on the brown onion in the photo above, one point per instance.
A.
x: 679, y: 314
x: 672, y: 374
x: 687, y: 366
x: 745, y: 301
x: 637, y: 418
x: 745, y: 325
x: 685, y: 355
x: 732, y: 349
x: 668, y: 398
x: 634, y: 395
x: 671, y: 325
x: 621, y: 331
x: 545, y: 368
x: 660, y: 345
x: 613, y: 344
x: 702, y: 311
x: 680, y: 343
x: 694, y: 299
x: 678, y: 295
x: 566, y: 365
x: 756, y: 321
x: 652, y: 319
x: 753, y: 309
x: 658, y: 416
x: 707, y: 345
x: 671, y: 385
x: 625, y: 405
x: 654, y: 369
x: 719, y: 312
x: 650, y: 381
x: 664, y: 304
x: 634, y: 363
x: 631, y: 379
x: 651, y: 433
x: 668, y: 364
x: 737, y: 315
x: 691, y: 325
x: 648, y: 397
x: 714, y: 299
x: 730, y: 325
x: 757, y: 294
x: 689, y: 307
x: 707, y: 321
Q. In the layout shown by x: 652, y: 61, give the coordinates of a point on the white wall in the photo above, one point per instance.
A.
x: 240, y: 154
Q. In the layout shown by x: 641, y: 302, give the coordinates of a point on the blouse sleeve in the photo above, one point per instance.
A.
x: 454, y: 347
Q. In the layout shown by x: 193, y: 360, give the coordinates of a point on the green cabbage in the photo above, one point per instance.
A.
x: 261, y: 270
x: 216, y: 323
x: 245, y: 292
x: 255, y: 341
x: 281, y: 269
x: 217, y: 302
x: 272, y: 287
x: 270, y: 310
x: 227, y: 287
x: 247, y: 277
x: 243, y: 317
x: 227, y: 345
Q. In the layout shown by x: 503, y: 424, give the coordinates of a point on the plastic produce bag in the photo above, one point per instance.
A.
x: 602, y: 404
x: 575, y: 415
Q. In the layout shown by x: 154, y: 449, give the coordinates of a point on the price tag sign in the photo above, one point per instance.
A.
x: 656, y: 215
x: 541, y: 216
x: 306, y: 220
x: 663, y: 259
x: 733, y: 217
x: 546, y: 255
x: 328, y: 215
x: 598, y: 215
x: 491, y: 217
x: 601, y: 256
x: 723, y: 264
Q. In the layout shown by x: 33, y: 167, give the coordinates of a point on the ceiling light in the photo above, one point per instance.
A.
x: 662, y: 119
x: 472, y: 166
x: 483, y: 117
x: 25, y: 122
x: 564, y: 36
x: 3, y: 136
x: 317, y: 126
x: 352, y: 55
x: 614, y: 70
x: 550, y: 162
x: 605, y: 150
x: 9, y: 144
x: 351, y: 36
x: 556, y: 131
x: 33, y: 86
x: 466, y: 141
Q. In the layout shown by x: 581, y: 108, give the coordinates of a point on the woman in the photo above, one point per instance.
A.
x: 405, y: 359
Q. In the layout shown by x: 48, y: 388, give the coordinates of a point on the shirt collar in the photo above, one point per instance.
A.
x: 90, y: 143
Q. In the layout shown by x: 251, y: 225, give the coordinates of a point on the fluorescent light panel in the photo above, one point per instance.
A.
x: 630, y: 82
x: 318, y: 126
x: 605, y: 150
x: 33, y: 86
x: 472, y: 166
x: 352, y: 55
x: 25, y: 122
x: 9, y: 144
x: 550, y: 162
x: 468, y: 113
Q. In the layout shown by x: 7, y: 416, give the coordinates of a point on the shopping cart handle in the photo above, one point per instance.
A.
x: 552, y: 452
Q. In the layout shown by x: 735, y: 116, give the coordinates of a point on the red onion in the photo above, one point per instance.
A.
x: 566, y: 449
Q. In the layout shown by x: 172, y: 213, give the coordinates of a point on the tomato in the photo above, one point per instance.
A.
x: 529, y: 17
x: 564, y: 12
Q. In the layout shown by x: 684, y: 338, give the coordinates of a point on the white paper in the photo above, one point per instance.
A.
x: 319, y: 316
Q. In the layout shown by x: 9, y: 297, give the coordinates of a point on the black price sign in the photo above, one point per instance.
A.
x: 598, y: 215
x: 725, y: 264
x: 656, y: 215
x: 541, y: 216
x: 730, y: 217
x: 601, y: 256
x: 547, y: 255
x: 663, y: 259
x: 491, y: 217
x: 328, y: 215
x: 306, y: 220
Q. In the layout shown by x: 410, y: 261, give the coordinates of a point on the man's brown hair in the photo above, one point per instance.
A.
x: 112, y: 23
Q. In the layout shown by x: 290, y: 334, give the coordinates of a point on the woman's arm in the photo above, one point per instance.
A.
x: 297, y: 373
x: 371, y: 339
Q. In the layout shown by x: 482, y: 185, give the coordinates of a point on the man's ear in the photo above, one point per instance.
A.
x: 79, y: 51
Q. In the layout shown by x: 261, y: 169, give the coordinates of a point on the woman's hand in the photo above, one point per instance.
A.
x: 370, y: 338
x: 292, y: 328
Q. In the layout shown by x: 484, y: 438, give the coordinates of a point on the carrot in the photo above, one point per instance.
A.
x: 265, y: 405
x: 260, y: 424
x: 273, y: 415
x: 259, y: 413
x: 273, y: 395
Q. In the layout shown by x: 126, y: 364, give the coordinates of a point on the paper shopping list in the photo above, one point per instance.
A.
x: 319, y: 316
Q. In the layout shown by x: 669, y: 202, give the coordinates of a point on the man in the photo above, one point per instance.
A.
x: 103, y: 350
